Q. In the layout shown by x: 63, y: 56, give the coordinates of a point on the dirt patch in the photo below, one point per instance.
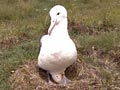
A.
x: 30, y: 77
x: 11, y: 41
x: 115, y: 55
x: 95, y: 29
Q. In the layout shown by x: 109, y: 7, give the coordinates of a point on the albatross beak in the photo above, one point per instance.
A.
x: 52, y: 25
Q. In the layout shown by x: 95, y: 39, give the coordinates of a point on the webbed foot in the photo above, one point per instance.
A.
x: 65, y: 81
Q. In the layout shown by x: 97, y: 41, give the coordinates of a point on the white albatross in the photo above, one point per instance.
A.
x: 57, y: 50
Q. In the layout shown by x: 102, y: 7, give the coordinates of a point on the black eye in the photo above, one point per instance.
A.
x: 58, y: 13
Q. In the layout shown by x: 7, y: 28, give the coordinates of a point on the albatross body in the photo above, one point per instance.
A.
x: 57, y: 50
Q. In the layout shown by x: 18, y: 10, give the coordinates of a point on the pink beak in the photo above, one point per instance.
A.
x: 52, y: 25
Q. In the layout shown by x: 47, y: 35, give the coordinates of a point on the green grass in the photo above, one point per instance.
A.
x: 104, y: 41
x: 26, y: 20
x: 17, y: 55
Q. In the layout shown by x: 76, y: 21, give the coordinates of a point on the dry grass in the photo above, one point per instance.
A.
x: 29, y: 77
x: 101, y: 74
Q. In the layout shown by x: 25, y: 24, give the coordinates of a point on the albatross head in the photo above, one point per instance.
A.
x: 57, y: 14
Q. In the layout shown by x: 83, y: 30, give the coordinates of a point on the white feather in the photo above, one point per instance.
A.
x: 57, y: 51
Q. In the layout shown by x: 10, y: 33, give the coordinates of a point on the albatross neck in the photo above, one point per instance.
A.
x: 60, y: 30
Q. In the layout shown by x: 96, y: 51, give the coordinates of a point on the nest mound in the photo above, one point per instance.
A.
x: 30, y: 77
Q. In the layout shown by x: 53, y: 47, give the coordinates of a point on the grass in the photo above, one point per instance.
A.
x: 104, y: 41
x: 22, y: 22
x: 12, y: 57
